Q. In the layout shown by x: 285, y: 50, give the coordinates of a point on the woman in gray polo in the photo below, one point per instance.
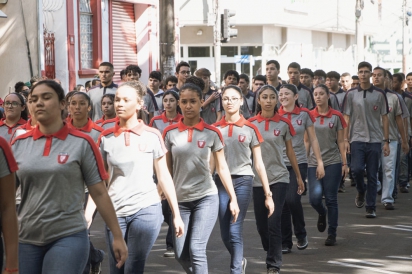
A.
x: 171, y: 114
x: 191, y: 144
x: 130, y: 150
x: 55, y: 162
x: 107, y: 103
x: 16, y: 115
x: 302, y: 122
x: 329, y: 127
x: 8, y: 220
x: 242, y: 138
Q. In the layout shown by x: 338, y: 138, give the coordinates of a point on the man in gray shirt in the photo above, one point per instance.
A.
x: 365, y: 110
x: 305, y: 94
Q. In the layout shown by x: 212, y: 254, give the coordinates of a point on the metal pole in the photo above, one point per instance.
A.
x: 405, y: 38
x: 167, y: 38
x: 217, y: 41
x: 359, y: 33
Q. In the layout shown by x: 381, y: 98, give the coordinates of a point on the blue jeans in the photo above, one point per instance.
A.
x: 328, y: 186
x: 293, y: 207
x: 140, y: 232
x: 388, y: 173
x: 65, y: 255
x: 232, y: 234
x: 269, y: 229
x: 199, y: 218
x: 403, y: 169
x: 367, y: 154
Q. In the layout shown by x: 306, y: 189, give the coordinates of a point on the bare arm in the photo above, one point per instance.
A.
x: 294, y: 163
x: 261, y: 170
x: 169, y: 161
x: 166, y: 184
x: 346, y: 133
x: 224, y: 174
x: 9, y: 220
x: 385, y: 123
x: 320, y: 171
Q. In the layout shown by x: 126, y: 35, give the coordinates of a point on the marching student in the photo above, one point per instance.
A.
x: 16, y: 115
x: 8, y: 218
x: 132, y: 149
x: 305, y: 93
x: 277, y: 133
x: 170, y: 116
x: 191, y: 143
x: 107, y: 109
x: 329, y: 127
x: 302, y: 122
x: 365, y: 110
x: 55, y: 162
x: 242, y: 139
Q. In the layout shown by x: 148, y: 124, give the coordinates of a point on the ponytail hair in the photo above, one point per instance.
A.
x: 263, y: 88
x: 292, y: 88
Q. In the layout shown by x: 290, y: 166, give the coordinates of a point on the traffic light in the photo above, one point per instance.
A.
x: 227, y: 30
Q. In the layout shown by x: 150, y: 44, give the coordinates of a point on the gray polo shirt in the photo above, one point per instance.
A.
x: 191, y: 149
x: 408, y: 101
x: 340, y: 95
x: 109, y: 123
x: 300, y: 119
x: 248, y: 104
x: 326, y: 128
x: 129, y: 155
x: 8, y: 164
x: 275, y: 131
x: 209, y: 112
x: 305, y: 97
x: 395, y: 109
x: 7, y: 132
x: 365, y: 108
x: 53, y: 171
x: 96, y: 95
x: 239, y: 138
x: 158, y: 103
x: 334, y: 103
x: 161, y: 122
x: 90, y: 129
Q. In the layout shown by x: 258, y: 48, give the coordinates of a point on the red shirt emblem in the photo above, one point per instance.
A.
x: 301, y: 105
x: 62, y: 157
x: 241, y: 138
x: 331, y: 125
x: 276, y: 132
x: 201, y: 143
x: 390, y: 109
x: 375, y: 107
x: 299, y: 122
x: 213, y: 109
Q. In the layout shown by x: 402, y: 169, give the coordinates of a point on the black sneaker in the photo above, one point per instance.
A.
x: 322, y: 222
x: 403, y: 189
x: 96, y: 268
x: 342, y: 189
x: 273, y: 271
x: 360, y: 200
x: 169, y: 253
x: 303, y: 243
x: 352, y: 182
x: 389, y: 206
x: 330, y: 241
x: 370, y: 213
x: 286, y: 250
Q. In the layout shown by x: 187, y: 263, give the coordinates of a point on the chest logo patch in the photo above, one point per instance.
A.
x: 331, y: 125
x: 375, y: 107
x: 301, y: 105
x: 241, y: 138
x: 213, y: 109
x: 390, y: 109
x: 201, y: 143
x: 142, y: 147
x: 276, y: 132
x: 299, y: 122
x: 62, y: 157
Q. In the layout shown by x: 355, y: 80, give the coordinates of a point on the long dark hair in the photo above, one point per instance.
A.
x: 174, y: 94
x: 292, y: 88
x: 263, y: 88
x: 23, y: 113
x: 326, y: 89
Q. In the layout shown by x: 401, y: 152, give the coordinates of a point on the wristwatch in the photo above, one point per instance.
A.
x: 387, y: 140
x: 269, y: 194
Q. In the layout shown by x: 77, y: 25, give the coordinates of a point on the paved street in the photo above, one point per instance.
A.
x: 381, y: 245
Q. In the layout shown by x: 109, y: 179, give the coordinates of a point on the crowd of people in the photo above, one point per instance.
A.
x: 187, y: 152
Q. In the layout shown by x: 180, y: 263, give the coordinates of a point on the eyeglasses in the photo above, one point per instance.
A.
x: 232, y: 100
x: 185, y: 72
x: 14, y: 104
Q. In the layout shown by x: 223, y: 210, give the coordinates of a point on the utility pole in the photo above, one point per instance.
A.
x: 167, y: 38
x: 359, y: 32
x: 405, y: 37
x: 217, y: 36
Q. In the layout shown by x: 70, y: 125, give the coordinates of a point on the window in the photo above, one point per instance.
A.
x: 86, y: 34
x: 199, y: 51
x: 229, y: 51
x: 255, y: 51
x: 193, y: 67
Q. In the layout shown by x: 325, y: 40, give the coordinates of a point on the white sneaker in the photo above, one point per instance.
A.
x: 244, y: 263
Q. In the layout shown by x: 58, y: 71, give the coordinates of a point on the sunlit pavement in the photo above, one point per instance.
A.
x: 380, y: 245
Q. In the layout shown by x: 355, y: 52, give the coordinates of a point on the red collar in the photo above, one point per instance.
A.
x: 61, y: 134
x: 19, y: 122
x: 274, y: 118
x: 113, y: 120
x: 223, y: 123
x: 316, y: 114
x: 199, y: 126
x: 87, y: 128
x: 296, y: 110
x: 175, y: 120
x: 137, y: 129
